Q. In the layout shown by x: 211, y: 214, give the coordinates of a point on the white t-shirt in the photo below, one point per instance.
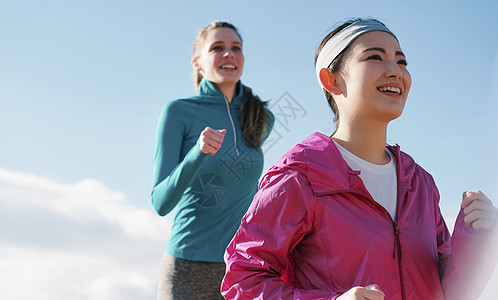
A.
x: 380, y: 180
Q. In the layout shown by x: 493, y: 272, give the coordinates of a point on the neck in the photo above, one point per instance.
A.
x: 228, y: 90
x: 364, y: 139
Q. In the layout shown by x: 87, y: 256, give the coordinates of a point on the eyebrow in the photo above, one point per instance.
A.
x: 398, y: 53
x: 221, y: 42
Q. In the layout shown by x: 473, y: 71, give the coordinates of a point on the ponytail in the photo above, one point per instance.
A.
x: 254, y: 118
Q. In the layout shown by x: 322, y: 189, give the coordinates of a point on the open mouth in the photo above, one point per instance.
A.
x: 390, y: 90
x: 228, y: 67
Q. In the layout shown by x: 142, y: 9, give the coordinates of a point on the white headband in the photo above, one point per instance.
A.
x: 343, y: 39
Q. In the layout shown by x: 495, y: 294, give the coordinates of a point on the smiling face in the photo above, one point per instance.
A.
x: 375, y: 82
x: 220, y: 59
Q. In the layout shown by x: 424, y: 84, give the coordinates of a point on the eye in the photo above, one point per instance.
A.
x: 403, y: 62
x: 216, y: 48
x: 374, y: 57
x: 236, y: 49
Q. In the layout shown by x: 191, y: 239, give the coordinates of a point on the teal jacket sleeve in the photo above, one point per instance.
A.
x: 172, y: 174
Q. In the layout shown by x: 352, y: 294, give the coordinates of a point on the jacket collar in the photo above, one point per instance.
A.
x: 209, y: 88
x: 318, y: 158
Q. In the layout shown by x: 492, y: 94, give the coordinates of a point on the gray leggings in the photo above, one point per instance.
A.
x: 189, y: 280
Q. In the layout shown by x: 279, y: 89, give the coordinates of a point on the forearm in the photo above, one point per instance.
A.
x: 167, y: 192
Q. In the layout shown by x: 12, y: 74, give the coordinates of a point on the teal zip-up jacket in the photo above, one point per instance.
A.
x: 211, y: 193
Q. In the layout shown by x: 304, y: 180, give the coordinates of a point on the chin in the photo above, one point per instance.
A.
x: 395, y: 115
x: 230, y: 80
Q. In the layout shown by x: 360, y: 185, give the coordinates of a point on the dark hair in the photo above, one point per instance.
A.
x: 253, y: 115
x: 336, y: 65
x: 254, y: 118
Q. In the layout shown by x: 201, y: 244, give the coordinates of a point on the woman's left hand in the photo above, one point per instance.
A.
x: 479, y: 210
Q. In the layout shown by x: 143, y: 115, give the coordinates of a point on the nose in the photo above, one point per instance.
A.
x: 394, y: 71
x: 228, y: 53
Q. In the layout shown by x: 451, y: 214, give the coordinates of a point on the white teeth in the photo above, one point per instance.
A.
x: 228, y: 67
x: 390, y: 89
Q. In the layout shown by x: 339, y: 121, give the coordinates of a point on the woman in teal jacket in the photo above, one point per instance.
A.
x: 207, y: 164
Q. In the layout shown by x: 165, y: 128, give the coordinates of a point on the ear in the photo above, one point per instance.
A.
x: 195, y: 65
x: 331, y: 81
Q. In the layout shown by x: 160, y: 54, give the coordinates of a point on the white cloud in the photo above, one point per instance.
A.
x: 76, y: 241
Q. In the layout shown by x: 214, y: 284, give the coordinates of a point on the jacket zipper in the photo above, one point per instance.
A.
x: 233, y: 126
x: 397, y: 242
x: 397, y: 250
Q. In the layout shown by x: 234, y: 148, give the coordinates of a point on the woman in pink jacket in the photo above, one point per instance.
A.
x: 347, y: 217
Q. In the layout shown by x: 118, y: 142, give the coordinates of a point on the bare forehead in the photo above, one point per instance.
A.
x: 222, y: 34
x: 376, y: 39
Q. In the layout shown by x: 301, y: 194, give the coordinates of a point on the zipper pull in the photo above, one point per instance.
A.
x: 397, y: 245
x: 233, y: 126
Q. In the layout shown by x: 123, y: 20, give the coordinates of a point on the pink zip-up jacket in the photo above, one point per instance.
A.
x: 313, y: 232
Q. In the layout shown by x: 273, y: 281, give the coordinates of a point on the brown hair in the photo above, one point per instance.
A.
x: 253, y: 115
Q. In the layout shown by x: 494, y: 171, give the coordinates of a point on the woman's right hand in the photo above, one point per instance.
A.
x: 370, y: 292
x: 210, y: 140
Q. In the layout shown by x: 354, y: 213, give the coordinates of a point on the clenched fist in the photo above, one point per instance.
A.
x: 478, y: 209
x: 210, y: 140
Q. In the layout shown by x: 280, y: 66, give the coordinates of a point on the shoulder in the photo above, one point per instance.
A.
x: 316, y: 158
x: 277, y: 176
x: 311, y: 151
x: 181, y: 104
x: 181, y: 108
x: 284, y: 186
x: 411, y: 166
x: 411, y: 170
x: 288, y: 167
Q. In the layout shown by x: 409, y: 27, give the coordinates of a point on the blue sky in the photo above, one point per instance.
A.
x: 82, y: 84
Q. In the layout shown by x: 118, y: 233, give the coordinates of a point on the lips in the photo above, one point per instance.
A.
x: 228, y: 67
x: 390, y: 89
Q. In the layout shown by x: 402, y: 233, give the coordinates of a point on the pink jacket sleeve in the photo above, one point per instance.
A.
x: 280, y: 215
x: 467, y: 262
